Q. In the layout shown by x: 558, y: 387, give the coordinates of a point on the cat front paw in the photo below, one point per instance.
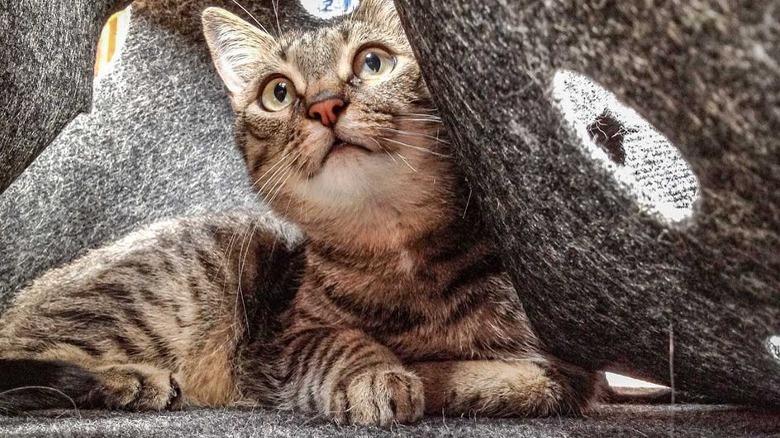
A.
x: 138, y: 388
x: 380, y: 397
x: 496, y: 388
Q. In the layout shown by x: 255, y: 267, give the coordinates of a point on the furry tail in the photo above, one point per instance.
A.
x: 27, y: 384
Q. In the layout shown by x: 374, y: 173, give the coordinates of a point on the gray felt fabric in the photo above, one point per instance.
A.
x: 606, y: 281
x: 694, y: 421
x: 47, y: 50
x: 158, y: 143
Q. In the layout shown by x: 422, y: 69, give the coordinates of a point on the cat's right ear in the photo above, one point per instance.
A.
x: 236, y: 48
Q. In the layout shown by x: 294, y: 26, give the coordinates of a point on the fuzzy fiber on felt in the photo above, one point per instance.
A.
x: 605, y: 281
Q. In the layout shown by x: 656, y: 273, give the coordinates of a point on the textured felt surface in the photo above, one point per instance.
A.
x: 183, y: 16
x: 606, y: 281
x: 158, y: 143
x: 47, y: 51
x: 619, y: 421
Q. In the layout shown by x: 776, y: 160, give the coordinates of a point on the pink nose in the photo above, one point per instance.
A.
x: 327, y: 111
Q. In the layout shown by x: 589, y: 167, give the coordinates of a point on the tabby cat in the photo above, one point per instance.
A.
x: 391, y: 305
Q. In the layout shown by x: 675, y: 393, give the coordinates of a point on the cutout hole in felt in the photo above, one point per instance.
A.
x: 649, y: 167
x: 773, y: 345
x: 608, y: 133
x: 620, y: 381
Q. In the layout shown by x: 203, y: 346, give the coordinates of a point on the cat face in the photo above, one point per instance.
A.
x: 334, y: 122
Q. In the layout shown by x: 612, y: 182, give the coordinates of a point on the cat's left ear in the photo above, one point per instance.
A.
x: 236, y: 47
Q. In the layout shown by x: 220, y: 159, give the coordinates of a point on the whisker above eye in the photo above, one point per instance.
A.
x: 250, y: 15
x: 275, y: 5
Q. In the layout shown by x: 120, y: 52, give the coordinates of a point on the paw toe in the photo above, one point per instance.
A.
x: 140, y: 388
x: 386, y: 397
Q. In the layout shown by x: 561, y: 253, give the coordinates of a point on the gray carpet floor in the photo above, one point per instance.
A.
x: 608, y: 420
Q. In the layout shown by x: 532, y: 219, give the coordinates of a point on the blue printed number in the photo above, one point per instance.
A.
x: 327, y: 5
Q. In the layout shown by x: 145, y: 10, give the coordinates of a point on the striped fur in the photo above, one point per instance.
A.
x: 156, y: 318
x: 393, y: 304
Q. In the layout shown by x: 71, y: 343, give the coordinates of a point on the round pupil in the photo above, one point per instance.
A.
x: 373, y: 62
x: 280, y: 91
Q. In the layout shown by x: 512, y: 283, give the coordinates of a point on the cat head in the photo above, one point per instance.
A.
x: 335, y: 124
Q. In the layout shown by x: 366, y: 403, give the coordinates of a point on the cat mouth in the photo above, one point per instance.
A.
x: 341, y: 147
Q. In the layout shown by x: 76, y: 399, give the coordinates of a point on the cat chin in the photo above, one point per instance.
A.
x: 349, y: 179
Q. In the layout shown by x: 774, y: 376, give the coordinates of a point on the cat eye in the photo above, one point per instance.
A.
x: 278, y: 94
x: 372, y: 63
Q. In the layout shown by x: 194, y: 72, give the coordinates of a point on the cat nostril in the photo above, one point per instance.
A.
x: 327, y: 111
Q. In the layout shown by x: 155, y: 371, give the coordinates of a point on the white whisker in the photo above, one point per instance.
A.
x: 420, y: 116
x: 431, y: 113
x: 283, y: 168
x: 468, y: 201
x: 279, y: 162
x: 407, y: 163
x: 241, y: 264
x: 229, y: 250
x: 428, y: 151
x: 45, y: 388
x: 417, y: 119
x: 250, y: 14
x: 282, y: 181
x: 275, y: 5
x: 384, y: 149
x: 416, y: 134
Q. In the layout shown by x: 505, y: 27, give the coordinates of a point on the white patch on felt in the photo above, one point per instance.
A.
x: 654, y: 171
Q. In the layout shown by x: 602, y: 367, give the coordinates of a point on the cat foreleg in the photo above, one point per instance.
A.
x: 504, y: 388
x: 349, y: 377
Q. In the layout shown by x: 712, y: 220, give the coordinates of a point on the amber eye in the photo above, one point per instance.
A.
x: 373, y: 63
x: 278, y: 94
